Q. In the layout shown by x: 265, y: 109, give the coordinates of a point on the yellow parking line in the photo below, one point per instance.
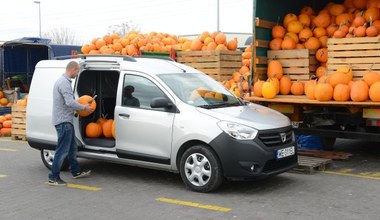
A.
x: 3, y: 176
x: 352, y: 175
x: 77, y: 186
x: 7, y: 149
x: 194, y: 204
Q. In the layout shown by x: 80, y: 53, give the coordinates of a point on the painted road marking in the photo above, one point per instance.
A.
x: 366, y: 176
x: 77, y: 186
x: 14, y: 141
x: 194, y: 204
x: 7, y: 149
x: 3, y: 176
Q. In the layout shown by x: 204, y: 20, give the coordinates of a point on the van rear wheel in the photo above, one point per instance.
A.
x: 47, y: 157
x: 200, y: 169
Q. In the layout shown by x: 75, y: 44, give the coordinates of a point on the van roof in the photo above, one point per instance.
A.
x: 151, y: 65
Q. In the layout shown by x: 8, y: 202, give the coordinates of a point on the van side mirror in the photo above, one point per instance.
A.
x: 161, y: 102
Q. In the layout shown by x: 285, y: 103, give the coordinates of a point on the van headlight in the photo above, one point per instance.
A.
x: 237, y: 131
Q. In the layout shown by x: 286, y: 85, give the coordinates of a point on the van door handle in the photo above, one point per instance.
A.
x: 124, y: 115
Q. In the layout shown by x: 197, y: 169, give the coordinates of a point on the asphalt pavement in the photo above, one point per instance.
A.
x: 349, y: 189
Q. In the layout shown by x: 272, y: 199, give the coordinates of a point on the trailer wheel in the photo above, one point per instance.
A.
x: 200, y: 169
x: 47, y: 157
x: 328, y: 143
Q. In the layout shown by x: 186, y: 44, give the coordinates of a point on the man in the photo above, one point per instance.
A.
x: 128, y: 98
x: 64, y: 106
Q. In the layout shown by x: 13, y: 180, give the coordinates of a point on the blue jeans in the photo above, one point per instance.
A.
x: 66, y: 147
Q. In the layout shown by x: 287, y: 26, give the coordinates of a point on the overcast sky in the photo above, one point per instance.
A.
x: 88, y: 19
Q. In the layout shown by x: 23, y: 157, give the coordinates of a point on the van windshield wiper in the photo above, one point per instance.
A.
x: 220, y: 105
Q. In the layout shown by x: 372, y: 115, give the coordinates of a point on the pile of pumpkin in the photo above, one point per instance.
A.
x: 309, y: 30
x: 238, y: 82
x: 3, y: 100
x: 6, y: 124
x: 134, y: 41
x: 338, y: 86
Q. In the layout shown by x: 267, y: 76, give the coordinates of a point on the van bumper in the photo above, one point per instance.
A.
x: 238, y: 157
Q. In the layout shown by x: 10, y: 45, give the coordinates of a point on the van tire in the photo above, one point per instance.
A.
x: 47, y: 157
x: 206, y: 167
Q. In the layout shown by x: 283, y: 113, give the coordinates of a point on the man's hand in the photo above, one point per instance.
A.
x: 88, y: 109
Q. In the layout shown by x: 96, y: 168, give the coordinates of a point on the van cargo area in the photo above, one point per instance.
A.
x: 103, y: 84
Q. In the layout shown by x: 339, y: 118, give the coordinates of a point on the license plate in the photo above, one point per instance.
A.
x: 285, y: 152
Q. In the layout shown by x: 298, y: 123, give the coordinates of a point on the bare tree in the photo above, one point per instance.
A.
x: 61, y: 35
x: 123, y: 28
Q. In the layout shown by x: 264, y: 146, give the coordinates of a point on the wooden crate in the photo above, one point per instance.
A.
x: 361, y: 53
x: 18, y: 123
x: 298, y: 64
x: 219, y: 64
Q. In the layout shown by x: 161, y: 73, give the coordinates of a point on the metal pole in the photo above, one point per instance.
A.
x: 39, y: 15
x: 251, y: 79
x: 217, y: 17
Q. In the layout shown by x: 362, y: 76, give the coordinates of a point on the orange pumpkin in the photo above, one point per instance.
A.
x: 321, y: 55
x: 257, y: 88
x: 107, y: 128
x: 8, y: 116
x: 4, y: 101
x: 113, y: 130
x: 297, y: 88
x: 338, y: 78
x: 275, y: 44
x: 288, y: 44
x: 269, y: 89
x: 232, y: 44
x: 341, y: 92
x: 278, y: 31
x: 309, y: 89
x: 336, y: 9
x: 294, y: 26
x: 93, y: 130
x: 289, y: 18
x: 374, y: 92
x: 323, y: 91
x: 372, y: 14
x: 359, y: 91
x: 85, y: 100
x: 7, y: 124
x: 322, y: 20
x: 321, y: 71
x: 304, y: 19
x: 1, y: 94
x: 5, y: 130
x: 275, y: 69
x: 307, y: 10
x: 305, y: 34
x: 312, y: 43
x: 285, y: 85
x: 371, y: 77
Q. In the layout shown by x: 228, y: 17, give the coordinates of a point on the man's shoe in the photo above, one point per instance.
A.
x: 57, y: 182
x: 82, y: 174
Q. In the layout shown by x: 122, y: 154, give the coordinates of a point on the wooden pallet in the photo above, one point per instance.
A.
x: 334, y: 155
x: 18, y: 123
x: 219, y: 64
x: 297, y: 64
x: 361, y: 53
x: 310, y: 165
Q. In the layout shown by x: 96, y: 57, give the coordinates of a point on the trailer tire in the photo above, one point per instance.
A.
x: 328, y: 143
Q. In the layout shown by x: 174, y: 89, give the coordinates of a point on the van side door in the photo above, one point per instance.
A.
x: 143, y: 133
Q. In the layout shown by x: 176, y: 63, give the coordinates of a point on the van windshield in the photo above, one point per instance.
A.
x: 200, y: 90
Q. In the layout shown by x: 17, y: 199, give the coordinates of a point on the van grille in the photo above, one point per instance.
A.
x: 275, y: 138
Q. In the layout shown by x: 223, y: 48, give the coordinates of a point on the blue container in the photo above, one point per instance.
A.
x: 5, y: 110
x: 309, y: 142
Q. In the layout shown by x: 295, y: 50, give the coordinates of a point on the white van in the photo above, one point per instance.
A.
x: 185, y: 121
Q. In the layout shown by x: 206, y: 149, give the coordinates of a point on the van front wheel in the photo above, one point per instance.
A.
x: 47, y: 157
x: 200, y: 169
